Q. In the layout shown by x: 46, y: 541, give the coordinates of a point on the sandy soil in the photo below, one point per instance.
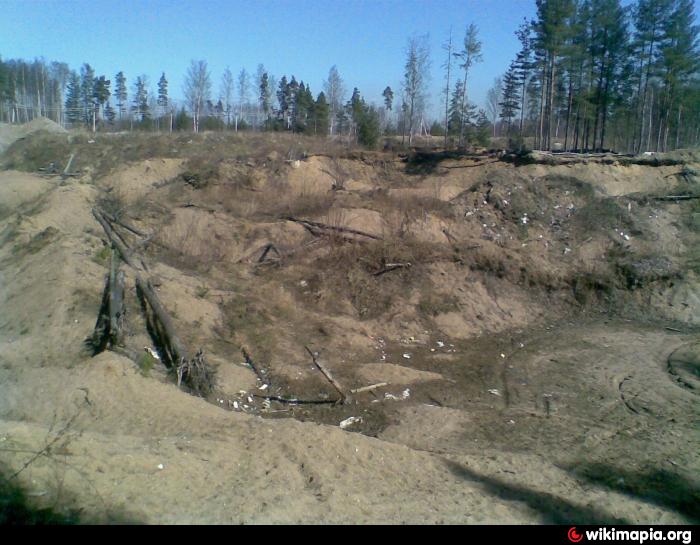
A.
x: 506, y: 406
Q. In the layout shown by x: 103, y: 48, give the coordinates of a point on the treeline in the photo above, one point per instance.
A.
x: 589, y: 75
x: 594, y: 75
x: 84, y: 98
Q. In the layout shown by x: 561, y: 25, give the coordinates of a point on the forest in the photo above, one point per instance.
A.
x: 589, y: 75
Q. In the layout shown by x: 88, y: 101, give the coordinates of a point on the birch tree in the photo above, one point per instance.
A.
x: 197, y: 90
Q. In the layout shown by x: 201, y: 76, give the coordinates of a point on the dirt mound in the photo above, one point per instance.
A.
x: 9, y: 134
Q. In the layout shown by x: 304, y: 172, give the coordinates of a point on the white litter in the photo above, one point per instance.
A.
x: 152, y: 352
x: 263, y: 387
x: 161, y: 466
x: 235, y: 405
x: 494, y: 391
x: 407, y: 356
x: 440, y: 344
x: 503, y: 355
x: 350, y: 421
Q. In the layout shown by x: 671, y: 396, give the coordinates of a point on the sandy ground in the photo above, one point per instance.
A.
x: 582, y: 420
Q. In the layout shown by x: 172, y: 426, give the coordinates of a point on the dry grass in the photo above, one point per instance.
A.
x: 190, y: 242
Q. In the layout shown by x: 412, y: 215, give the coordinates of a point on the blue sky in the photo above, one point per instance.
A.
x: 365, y: 39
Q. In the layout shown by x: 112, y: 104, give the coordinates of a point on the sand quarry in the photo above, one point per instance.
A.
x: 535, y: 323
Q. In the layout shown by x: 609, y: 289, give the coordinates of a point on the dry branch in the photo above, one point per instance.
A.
x: 252, y: 365
x: 369, y: 388
x: 312, y: 226
x: 128, y: 227
x: 392, y: 267
x: 327, y: 374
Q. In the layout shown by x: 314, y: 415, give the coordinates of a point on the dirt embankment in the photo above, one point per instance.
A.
x: 535, y: 327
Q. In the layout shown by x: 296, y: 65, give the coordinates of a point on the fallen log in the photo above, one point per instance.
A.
x: 173, y: 344
x: 128, y: 227
x: 193, y: 371
x: 115, y: 239
x: 676, y: 197
x: 314, y: 224
x: 294, y: 401
x: 328, y: 375
x: 116, y: 302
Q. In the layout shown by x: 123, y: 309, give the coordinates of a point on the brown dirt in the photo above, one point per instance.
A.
x: 539, y: 371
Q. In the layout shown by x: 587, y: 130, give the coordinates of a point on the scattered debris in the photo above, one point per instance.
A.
x: 350, y: 421
x: 369, y: 388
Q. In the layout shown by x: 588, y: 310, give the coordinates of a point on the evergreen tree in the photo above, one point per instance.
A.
x: 321, y: 114
x: 470, y: 55
x: 87, y: 92
x: 140, y: 104
x: 74, y: 111
x: 265, y: 95
x: 163, y: 99
x: 120, y: 93
x: 388, y: 95
x: 101, y: 93
x: 510, y: 103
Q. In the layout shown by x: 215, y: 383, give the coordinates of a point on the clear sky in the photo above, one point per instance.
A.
x: 366, y: 39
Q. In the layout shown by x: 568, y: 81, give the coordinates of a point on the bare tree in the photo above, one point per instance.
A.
x: 335, y: 94
x: 493, y: 99
x: 243, y: 93
x: 226, y: 93
x: 415, y: 83
x: 197, y: 89
x: 448, y: 65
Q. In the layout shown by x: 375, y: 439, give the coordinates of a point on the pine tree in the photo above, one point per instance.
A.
x: 388, y: 95
x: 265, y: 95
x: 283, y: 98
x: 510, y: 103
x: 120, y: 93
x: 74, y: 111
x: 163, y: 99
x: 455, y: 119
x: 470, y: 55
x: 101, y: 93
x: 321, y: 115
x: 87, y: 92
x: 140, y: 105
